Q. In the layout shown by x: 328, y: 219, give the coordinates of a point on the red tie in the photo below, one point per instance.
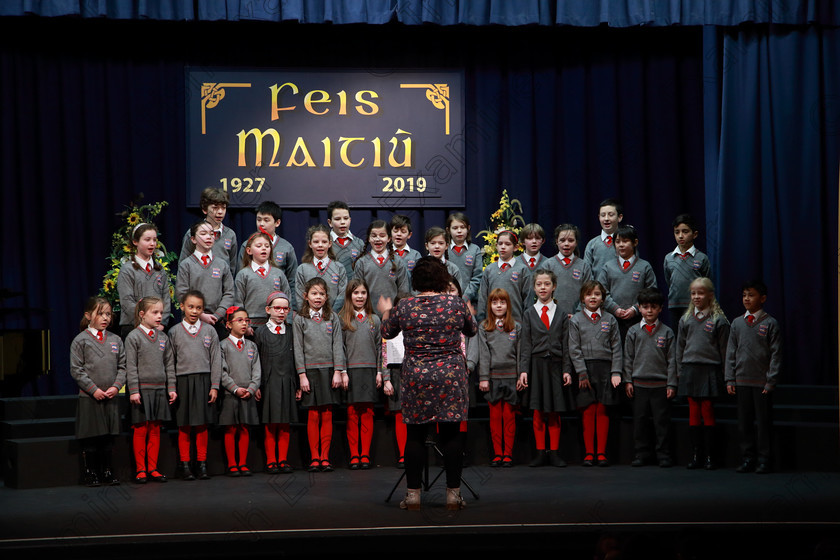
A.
x: 277, y: 329
x: 684, y: 256
x: 239, y: 344
x: 649, y: 328
x: 750, y: 319
x: 595, y: 317
x: 151, y: 334
x: 343, y: 240
x: 321, y: 265
x: 566, y: 261
x: 505, y: 266
x: 261, y: 270
x: 99, y: 336
x: 317, y: 317
x: 205, y: 260
x: 500, y: 324
x: 608, y: 240
x: 626, y: 265
x: 361, y: 316
x: 217, y: 234
x: 458, y: 249
x: 544, y: 316
x: 400, y: 252
x: 532, y: 262
x: 148, y: 268
x: 381, y: 260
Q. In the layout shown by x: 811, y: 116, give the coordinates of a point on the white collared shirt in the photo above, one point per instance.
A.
x: 552, y: 307
x: 272, y: 326
x: 95, y: 332
x: 192, y: 328
x: 199, y: 254
x: 589, y: 313
x: 256, y: 267
x: 510, y: 262
x: 691, y: 250
x: 143, y: 262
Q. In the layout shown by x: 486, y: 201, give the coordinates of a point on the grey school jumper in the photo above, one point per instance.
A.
x: 754, y: 353
x: 199, y: 353
x: 214, y: 281
x: 252, y: 290
x: 284, y: 258
x: 680, y: 272
x: 649, y: 357
x: 134, y: 283
x: 570, y: 277
x: 470, y: 263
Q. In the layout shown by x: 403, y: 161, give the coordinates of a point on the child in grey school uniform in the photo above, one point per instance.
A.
x: 753, y: 365
x: 650, y: 378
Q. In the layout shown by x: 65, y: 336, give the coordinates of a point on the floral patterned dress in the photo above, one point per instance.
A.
x: 434, y: 372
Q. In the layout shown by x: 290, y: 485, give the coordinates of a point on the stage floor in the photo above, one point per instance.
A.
x: 532, y: 510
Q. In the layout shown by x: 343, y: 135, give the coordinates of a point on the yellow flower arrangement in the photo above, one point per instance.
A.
x: 122, y: 249
x: 507, y: 218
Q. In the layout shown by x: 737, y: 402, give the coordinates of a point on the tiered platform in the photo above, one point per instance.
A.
x: 650, y: 512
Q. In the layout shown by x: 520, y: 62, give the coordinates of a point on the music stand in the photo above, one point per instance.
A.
x: 430, y: 442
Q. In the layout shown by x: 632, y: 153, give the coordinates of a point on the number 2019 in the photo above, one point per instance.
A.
x: 246, y: 184
x: 404, y: 184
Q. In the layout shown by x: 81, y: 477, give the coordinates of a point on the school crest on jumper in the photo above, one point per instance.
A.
x: 162, y: 345
x: 576, y: 274
x: 762, y: 330
x: 469, y: 260
x: 514, y: 276
x: 660, y: 342
x: 334, y: 279
x: 354, y: 253
x: 250, y: 353
x: 207, y: 340
x: 115, y: 347
x: 512, y: 335
x: 410, y: 264
x: 709, y: 326
x: 279, y: 257
x: 159, y: 281
x: 227, y: 244
x: 216, y: 273
x: 391, y: 274
x: 636, y: 275
x: 329, y: 327
x: 605, y: 326
x: 695, y: 265
x: 277, y: 283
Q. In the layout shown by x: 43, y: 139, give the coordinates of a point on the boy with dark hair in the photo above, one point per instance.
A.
x: 533, y: 237
x: 269, y: 216
x: 346, y: 246
x: 400, y: 234
x: 753, y: 363
x: 601, y: 248
x: 683, y: 265
x: 650, y: 377
x: 214, y: 203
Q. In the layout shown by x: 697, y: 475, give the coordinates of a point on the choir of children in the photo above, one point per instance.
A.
x: 262, y: 336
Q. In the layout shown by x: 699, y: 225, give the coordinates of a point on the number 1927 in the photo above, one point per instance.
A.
x: 246, y: 184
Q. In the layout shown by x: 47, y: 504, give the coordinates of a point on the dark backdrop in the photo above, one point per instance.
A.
x: 561, y: 117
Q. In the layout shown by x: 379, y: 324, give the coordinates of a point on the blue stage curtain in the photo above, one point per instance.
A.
x: 579, y: 13
x: 772, y: 110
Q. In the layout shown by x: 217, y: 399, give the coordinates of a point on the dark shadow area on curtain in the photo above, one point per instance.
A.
x: 559, y: 117
x: 772, y: 187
